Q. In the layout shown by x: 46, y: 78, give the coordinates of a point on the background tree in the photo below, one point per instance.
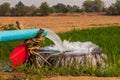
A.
x: 4, y: 9
x: 60, y: 8
x: 44, y: 9
x: 114, y: 9
x: 30, y: 10
x: 76, y: 8
x: 19, y: 10
x: 93, y: 6
x: 13, y: 11
x: 88, y: 6
x: 98, y: 5
x: 51, y: 10
x: 73, y: 8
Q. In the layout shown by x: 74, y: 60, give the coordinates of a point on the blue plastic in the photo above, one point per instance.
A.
x: 12, y: 35
x: 45, y: 32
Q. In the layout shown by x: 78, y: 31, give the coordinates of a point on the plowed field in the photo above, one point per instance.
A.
x: 62, y: 23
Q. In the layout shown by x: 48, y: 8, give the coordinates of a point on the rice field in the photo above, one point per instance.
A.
x: 105, y: 37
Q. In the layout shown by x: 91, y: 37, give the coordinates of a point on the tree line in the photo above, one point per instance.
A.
x: 44, y: 9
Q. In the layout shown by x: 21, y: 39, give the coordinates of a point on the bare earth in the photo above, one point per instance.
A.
x: 82, y: 78
x: 23, y: 76
x: 61, y: 24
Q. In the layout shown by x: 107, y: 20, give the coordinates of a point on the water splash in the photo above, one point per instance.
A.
x: 69, y: 47
x: 56, y: 39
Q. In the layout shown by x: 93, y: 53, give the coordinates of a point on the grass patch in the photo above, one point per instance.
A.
x: 6, y: 48
x: 106, y: 37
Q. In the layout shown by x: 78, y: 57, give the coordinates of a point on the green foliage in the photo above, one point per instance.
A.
x: 89, y: 6
x: 19, y: 5
x: 114, y: 9
x: 44, y: 9
x: 6, y: 48
x: 51, y: 10
x: 31, y: 10
x: 98, y: 5
x: 107, y: 38
x: 19, y: 10
x: 4, y: 9
x: 74, y: 8
x: 62, y: 8
x: 93, y: 6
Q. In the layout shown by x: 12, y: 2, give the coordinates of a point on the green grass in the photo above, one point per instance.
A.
x: 6, y: 48
x: 108, y: 38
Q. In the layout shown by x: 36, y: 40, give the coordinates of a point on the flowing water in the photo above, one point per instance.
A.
x: 56, y: 39
x: 82, y: 51
x: 69, y: 47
